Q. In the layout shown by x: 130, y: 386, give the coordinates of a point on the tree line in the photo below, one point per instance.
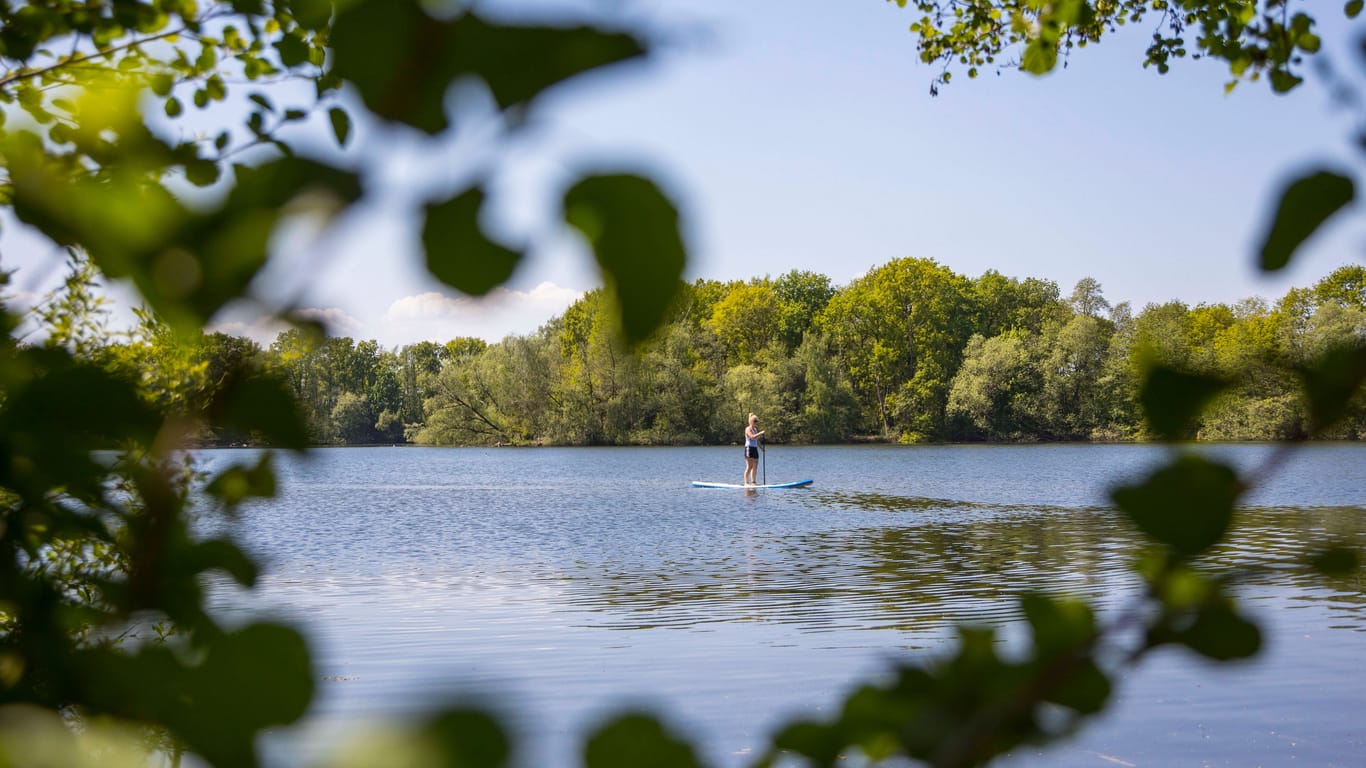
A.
x: 910, y: 352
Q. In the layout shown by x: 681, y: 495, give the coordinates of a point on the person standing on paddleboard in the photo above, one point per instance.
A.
x: 752, y: 434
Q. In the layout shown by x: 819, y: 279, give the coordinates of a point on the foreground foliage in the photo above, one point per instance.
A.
x: 103, y: 621
x: 1254, y: 39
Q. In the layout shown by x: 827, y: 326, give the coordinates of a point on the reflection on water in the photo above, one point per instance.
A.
x: 566, y: 582
x: 956, y: 562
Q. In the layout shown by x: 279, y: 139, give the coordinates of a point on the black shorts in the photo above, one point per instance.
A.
x: 751, y: 451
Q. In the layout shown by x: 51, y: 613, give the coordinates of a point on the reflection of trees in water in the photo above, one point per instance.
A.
x: 1269, y: 547
x: 934, y: 561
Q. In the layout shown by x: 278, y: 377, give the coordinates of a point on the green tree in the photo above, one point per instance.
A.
x: 995, y: 392
x: 746, y: 320
x: 353, y: 420
x: 802, y: 295
x: 1204, y: 324
x: 1161, y: 335
x: 458, y: 349
x: 1079, y: 401
x: 461, y: 410
x: 75, y: 317
x: 828, y: 406
x: 415, y: 362
x: 1087, y: 299
x: 1345, y: 287
x: 684, y: 409
x: 1007, y: 304
x: 899, y: 332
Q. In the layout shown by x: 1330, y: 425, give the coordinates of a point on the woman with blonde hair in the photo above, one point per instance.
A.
x: 752, y: 435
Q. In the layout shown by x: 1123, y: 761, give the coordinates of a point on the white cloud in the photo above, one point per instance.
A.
x: 336, y: 321
x: 434, y: 316
x: 264, y: 329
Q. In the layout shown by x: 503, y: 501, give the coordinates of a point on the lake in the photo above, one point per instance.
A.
x: 561, y: 585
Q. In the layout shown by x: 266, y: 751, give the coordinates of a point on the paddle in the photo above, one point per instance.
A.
x: 763, y: 452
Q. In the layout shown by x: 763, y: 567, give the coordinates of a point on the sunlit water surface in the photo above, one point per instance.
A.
x: 563, y: 585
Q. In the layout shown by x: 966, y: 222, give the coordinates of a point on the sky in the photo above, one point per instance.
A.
x: 797, y: 134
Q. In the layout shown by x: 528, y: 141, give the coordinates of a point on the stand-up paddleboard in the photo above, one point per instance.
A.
x: 795, y: 484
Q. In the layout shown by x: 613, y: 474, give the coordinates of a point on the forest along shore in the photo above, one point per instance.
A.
x: 910, y: 352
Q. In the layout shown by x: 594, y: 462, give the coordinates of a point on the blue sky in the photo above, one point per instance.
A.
x: 801, y: 134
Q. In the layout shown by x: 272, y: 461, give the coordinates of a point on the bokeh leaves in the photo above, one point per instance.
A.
x: 186, y: 264
x: 1035, y: 36
x: 91, y: 175
x: 1173, y: 399
x: 1186, y: 505
x: 403, y: 61
x: 637, y: 741
x: 458, y: 252
x: 1304, y: 206
x: 633, y: 230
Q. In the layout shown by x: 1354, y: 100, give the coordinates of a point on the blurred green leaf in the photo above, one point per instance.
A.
x: 634, y: 232
x: 1336, y: 560
x: 468, y: 738
x: 1181, y: 588
x: 820, y: 743
x: 1172, y: 400
x: 1059, y: 625
x: 402, y: 61
x: 637, y: 741
x: 1304, y: 206
x: 1187, y: 505
x: 257, y: 403
x: 254, y: 678
x: 212, y: 258
x: 1084, y: 688
x: 30, y: 736
x: 1284, y: 82
x: 201, y: 173
x: 118, y: 219
x: 393, y: 53
x: 1220, y: 633
x: 341, y: 125
x: 234, y: 685
x: 1039, y: 57
x: 293, y: 51
x: 238, y: 483
x: 83, y: 406
x: 1331, y: 383
x: 186, y: 265
x: 271, y: 185
x: 1353, y: 8
x: 221, y: 554
x: 259, y: 675
x: 458, y: 253
x: 519, y: 63
x: 311, y: 14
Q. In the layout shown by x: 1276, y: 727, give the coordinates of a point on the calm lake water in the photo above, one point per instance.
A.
x: 563, y: 585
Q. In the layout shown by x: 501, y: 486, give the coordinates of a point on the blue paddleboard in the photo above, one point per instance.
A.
x: 796, y: 484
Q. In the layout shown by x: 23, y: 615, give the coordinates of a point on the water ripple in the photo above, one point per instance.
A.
x: 581, y: 576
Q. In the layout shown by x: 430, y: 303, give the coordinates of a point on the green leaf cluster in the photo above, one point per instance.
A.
x: 1254, y: 40
x: 102, y: 609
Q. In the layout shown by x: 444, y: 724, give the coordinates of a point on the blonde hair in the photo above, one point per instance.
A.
x: 752, y: 417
